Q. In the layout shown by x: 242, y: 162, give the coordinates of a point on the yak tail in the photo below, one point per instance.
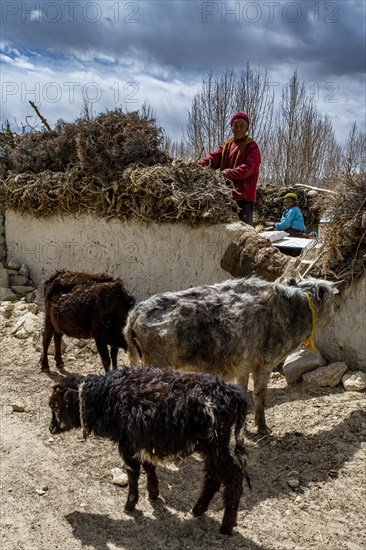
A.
x: 240, y: 454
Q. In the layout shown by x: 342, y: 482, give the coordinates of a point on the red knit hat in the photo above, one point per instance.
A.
x: 239, y: 115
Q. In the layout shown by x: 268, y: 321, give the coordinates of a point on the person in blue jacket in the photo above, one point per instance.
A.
x: 292, y: 220
x: 292, y: 216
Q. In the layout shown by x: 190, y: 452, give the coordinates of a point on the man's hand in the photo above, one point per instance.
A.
x: 225, y: 173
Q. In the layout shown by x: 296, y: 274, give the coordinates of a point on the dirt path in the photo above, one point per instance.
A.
x: 319, y: 439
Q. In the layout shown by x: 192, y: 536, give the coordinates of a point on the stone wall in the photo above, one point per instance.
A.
x: 2, y: 232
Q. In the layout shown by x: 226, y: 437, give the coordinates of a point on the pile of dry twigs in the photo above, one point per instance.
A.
x: 344, y: 253
x: 101, y: 147
x: 164, y: 193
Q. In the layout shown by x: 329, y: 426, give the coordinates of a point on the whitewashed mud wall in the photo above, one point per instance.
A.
x: 150, y: 258
x: 156, y: 258
x: 345, y: 338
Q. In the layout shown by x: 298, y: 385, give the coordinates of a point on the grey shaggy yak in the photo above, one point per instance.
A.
x: 157, y: 415
x: 231, y: 329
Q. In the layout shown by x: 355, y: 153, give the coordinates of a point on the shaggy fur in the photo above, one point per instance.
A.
x: 160, y: 415
x: 86, y: 305
x: 230, y: 329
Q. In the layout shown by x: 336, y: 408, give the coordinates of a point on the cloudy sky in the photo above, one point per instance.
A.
x: 124, y: 53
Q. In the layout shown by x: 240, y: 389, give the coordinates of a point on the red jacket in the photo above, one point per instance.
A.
x: 243, y: 170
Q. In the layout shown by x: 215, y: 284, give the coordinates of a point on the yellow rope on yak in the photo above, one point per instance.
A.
x: 309, y: 341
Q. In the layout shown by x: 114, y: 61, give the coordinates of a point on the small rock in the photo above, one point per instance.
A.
x: 331, y: 375
x: 4, y: 278
x: 300, y: 362
x: 12, y: 264
x: 21, y: 290
x: 293, y: 483
x: 30, y: 296
x: 7, y: 295
x: 354, y: 381
x: 44, y: 487
x: 24, y: 271
x: 93, y: 347
x: 40, y: 294
x: 17, y: 280
x: 18, y: 407
x: 51, y: 440
x: 119, y: 477
x: 40, y: 491
x: 22, y: 307
x: 7, y: 309
x: 80, y: 343
x: 27, y: 325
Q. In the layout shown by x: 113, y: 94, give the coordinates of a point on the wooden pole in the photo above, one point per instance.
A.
x: 321, y: 189
x: 40, y: 116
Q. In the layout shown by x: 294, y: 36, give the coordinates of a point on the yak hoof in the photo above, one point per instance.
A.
x: 130, y: 506
x: 226, y: 530
x: 263, y: 430
x: 198, y: 510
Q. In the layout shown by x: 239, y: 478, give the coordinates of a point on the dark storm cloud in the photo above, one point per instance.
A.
x: 326, y: 37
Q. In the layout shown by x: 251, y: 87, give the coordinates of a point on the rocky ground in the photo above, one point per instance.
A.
x: 308, y: 477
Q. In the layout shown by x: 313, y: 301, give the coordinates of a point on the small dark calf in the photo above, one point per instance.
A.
x: 85, y: 305
x: 158, y: 415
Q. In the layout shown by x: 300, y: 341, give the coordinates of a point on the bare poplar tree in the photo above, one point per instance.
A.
x: 354, y: 152
x: 208, y: 122
x: 254, y: 96
x: 303, y: 142
x: 210, y: 112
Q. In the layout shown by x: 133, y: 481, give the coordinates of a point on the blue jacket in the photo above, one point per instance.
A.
x: 292, y: 218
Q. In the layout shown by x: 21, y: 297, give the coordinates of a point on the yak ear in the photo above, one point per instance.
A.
x: 58, y: 388
x: 320, y: 293
x: 71, y: 395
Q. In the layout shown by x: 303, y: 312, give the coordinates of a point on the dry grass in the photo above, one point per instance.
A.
x: 344, y: 254
x: 167, y: 193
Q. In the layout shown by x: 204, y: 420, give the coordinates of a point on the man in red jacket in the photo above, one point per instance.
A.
x: 239, y: 159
